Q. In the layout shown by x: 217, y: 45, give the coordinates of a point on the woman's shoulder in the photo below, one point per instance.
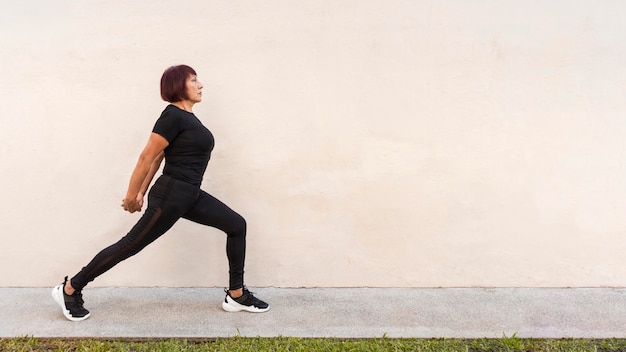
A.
x: 170, y: 123
x: 171, y: 115
x: 171, y: 109
x: 172, y: 112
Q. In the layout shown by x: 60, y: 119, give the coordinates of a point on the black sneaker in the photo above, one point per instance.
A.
x: 72, y: 306
x: 246, y: 302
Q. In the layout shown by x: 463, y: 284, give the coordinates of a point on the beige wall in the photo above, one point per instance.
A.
x: 368, y: 143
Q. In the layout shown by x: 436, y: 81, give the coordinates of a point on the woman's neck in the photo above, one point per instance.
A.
x: 184, y: 105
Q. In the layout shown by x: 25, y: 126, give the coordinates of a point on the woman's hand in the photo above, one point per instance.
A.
x: 133, y: 205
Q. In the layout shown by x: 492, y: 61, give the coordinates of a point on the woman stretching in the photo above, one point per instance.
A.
x: 185, y: 144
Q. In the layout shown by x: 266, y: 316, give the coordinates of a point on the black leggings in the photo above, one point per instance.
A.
x: 169, y: 200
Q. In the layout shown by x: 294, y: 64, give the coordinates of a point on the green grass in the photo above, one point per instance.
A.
x: 312, y: 344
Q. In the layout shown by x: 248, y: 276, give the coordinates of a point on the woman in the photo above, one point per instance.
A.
x: 180, y: 138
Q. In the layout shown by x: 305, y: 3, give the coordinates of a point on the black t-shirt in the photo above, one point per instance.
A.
x: 190, y: 144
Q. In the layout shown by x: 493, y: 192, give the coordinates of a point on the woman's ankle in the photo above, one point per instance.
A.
x: 236, y: 293
x: 68, y: 289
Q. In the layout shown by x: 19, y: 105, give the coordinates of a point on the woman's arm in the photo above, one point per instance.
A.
x: 147, y: 165
x: 154, y: 167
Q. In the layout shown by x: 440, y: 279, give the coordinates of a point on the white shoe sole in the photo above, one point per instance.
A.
x: 57, y: 294
x: 230, y: 305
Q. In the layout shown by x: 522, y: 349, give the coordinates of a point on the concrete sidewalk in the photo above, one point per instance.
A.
x: 323, y: 312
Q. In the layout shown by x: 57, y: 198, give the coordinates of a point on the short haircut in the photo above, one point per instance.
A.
x: 174, y: 83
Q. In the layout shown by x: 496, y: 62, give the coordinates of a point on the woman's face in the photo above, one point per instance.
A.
x: 194, y: 89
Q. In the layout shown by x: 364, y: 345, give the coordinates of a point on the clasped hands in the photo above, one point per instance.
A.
x: 133, y: 205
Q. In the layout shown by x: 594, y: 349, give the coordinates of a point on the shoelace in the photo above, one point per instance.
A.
x: 78, y: 298
x: 250, y: 296
x: 79, y: 295
x: 247, y: 295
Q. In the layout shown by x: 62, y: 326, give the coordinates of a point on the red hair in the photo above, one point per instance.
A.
x: 174, y: 83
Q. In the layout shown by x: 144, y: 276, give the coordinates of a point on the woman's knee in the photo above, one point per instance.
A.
x: 238, y: 225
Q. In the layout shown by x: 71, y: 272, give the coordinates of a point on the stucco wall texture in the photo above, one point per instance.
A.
x: 375, y: 143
